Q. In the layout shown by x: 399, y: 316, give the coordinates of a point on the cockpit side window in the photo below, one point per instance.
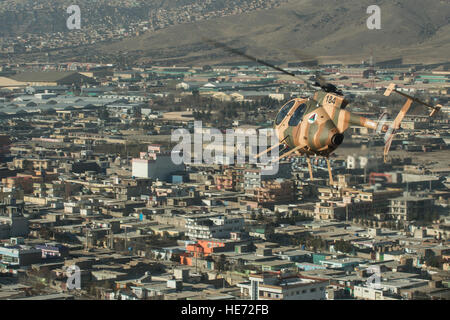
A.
x: 298, y: 115
x: 284, y: 111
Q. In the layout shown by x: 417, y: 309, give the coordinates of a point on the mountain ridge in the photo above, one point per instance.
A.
x: 330, y: 30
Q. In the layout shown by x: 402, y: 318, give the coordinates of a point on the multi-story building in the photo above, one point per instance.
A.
x: 212, y: 226
x: 410, y: 208
x: 53, y: 250
x: 5, y: 144
x: 8, y: 194
x: 345, y: 209
x: 231, y: 179
x: 202, y: 249
x: 14, y: 224
x: 348, y: 202
x: 347, y: 264
x: 378, y: 198
x: 155, y: 164
x: 255, y: 177
x: 125, y: 189
x: 252, y: 179
x: 370, y: 293
x: 271, y: 286
x: 54, y: 190
x: 273, y: 191
x: 393, y: 289
x: 355, y: 162
x: 19, y: 255
x: 36, y: 164
x: 24, y: 182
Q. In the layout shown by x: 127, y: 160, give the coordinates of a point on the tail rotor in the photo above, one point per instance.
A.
x: 392, y: 129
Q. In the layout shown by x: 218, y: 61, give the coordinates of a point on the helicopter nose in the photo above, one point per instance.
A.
x: 337, y: 139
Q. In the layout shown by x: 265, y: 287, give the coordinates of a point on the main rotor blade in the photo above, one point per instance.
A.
x: 309, y: 60
x: 319, y: 81
x: 318, y: 78
x: 249, y: 57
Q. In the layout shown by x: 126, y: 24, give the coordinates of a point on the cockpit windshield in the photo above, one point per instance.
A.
x: 284, y: 111
x: 298, y: 115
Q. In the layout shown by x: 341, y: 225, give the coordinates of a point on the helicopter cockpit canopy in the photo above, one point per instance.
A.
x: 297, y: 116
x: 284, y: 111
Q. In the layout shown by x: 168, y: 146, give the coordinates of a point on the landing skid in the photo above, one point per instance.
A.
x: 330, y: 174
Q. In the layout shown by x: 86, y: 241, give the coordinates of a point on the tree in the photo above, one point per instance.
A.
x: 343, y: 246
x: 277, y: 217
x: 221, y: 263
x: 175, y: 258
x: 433, y: 261
x: 93, y: 291
x: 260, y: 216
x: 108, y: 284
x: 45, y: 233
x: 315, y: 243
x: 103, y: 113
x: 195, y: 94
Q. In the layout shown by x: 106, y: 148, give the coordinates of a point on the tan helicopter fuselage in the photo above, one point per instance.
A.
x: 316, y: 125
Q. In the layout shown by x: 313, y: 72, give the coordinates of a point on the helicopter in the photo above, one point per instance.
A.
x: 315, y: 126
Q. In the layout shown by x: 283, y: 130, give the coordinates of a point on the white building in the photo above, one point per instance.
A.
x: 368, y: 293
x: 212, y: 226
x: 361, y: 162
x: 389, y: 289
x: 268, y: 286
x: 155, y: 164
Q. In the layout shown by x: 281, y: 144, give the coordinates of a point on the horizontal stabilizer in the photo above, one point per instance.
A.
x: 392, y: 88
x: 389, y: 89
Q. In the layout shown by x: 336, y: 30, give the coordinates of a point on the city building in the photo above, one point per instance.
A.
x: 272, y: 192
x: 271, y: 286
x: 407, y: 208
x: 19, y: 255
x: 155, y: 164
x: 212, y: 226
x: 13, y: 224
